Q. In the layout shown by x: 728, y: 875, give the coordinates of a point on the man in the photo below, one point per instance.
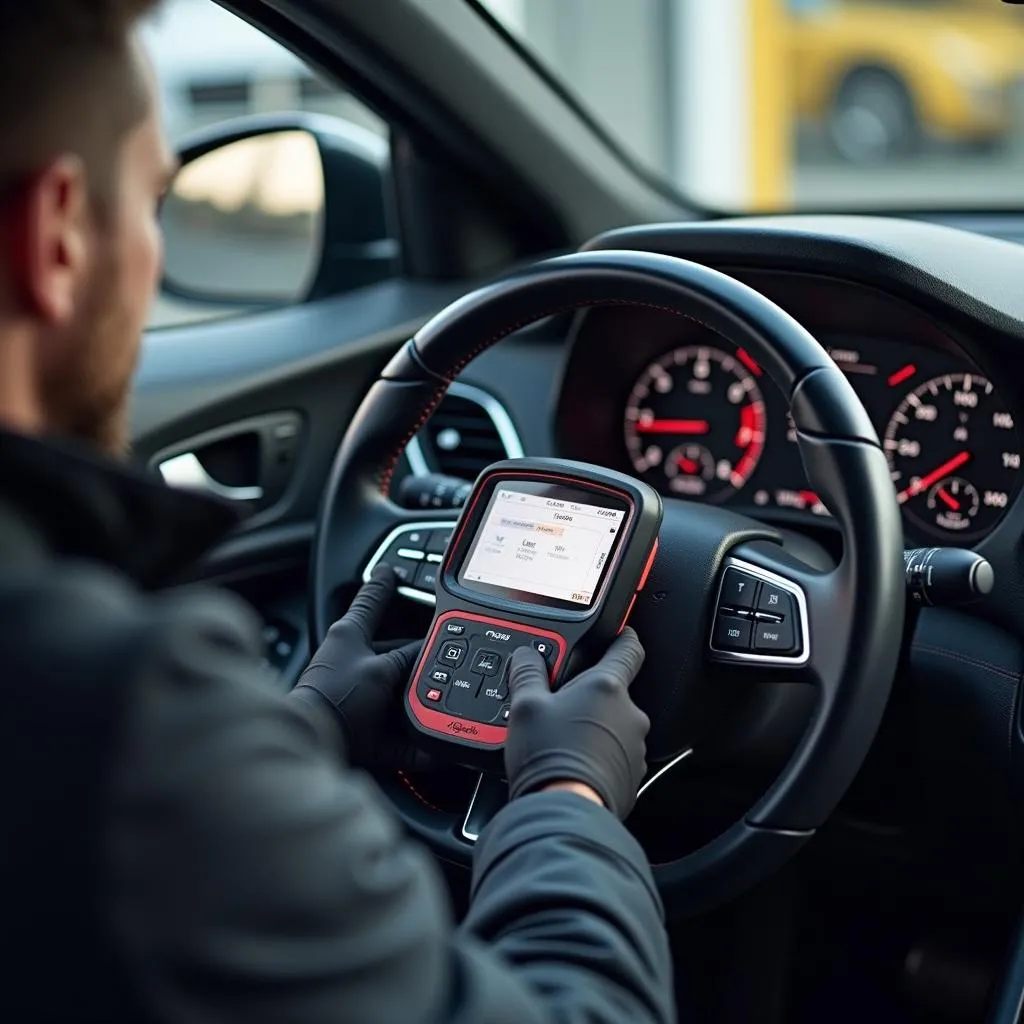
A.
x: 181, y: 842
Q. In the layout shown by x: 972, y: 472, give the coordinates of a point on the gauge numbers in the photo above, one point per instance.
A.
x: 695, y: 422
x: 954, y: 455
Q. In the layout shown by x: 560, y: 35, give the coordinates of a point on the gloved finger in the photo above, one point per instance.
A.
x: 624, y: 657
x: 384, y: 646
x: 368, y: 606
x: 399, y: 662
x: 527, y: 672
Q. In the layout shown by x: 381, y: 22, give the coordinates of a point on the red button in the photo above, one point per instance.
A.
x: 434, y: 695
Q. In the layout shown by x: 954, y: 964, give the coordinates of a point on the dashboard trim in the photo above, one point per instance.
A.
x: 496, y: 413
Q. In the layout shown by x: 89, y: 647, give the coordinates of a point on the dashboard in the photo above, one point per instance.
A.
x: 670, y: 401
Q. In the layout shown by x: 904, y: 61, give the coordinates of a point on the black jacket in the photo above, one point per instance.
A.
x: 182, y: 843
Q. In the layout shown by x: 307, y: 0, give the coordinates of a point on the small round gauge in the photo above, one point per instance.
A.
x: 954, y: 503
x: 954, y: 455
x: 689, y: 468
x: 695, y: 422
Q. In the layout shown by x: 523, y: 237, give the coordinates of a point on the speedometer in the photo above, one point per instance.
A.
x: 954, y: 455
x: 695, y: 422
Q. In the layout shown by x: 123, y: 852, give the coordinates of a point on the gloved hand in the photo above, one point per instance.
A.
x: 588, y: 731
x: 350, y: 676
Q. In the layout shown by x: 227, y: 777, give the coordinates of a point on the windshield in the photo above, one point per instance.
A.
x: 778, y: 104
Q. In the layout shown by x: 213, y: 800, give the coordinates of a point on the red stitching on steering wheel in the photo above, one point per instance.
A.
x: 416, y: 793
x: 389, y: 466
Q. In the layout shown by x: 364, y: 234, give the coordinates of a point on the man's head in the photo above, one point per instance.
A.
x: 83, y: 164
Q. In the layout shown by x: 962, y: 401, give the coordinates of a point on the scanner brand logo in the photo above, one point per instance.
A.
x: 493, y: 634
x: 462, y: 728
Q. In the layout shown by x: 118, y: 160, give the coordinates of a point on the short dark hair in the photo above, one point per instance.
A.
x: 70, y: 82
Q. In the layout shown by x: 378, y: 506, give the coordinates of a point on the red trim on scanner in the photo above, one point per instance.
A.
x: 648, y: 566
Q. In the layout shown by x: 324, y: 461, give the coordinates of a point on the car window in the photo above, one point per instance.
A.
x: 244, y: 223
x: 772, y: 104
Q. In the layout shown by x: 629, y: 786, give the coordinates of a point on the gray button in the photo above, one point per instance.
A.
x: 461, y: 700
x: 738, y: 589
x: 487, y: 663
x: 774, y: 600
x: 452, y: 652
x: 774, y: 637
x: 732, y: 633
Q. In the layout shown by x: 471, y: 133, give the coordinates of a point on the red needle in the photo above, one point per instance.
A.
x: 687, y: 465
x: 935, y: 476
x: 949, y: 499
x: 673, y: 427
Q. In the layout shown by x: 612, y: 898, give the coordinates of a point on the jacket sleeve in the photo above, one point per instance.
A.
x: 253, y: 878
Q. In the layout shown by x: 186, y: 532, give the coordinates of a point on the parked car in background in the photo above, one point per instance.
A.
x: 880, y: 77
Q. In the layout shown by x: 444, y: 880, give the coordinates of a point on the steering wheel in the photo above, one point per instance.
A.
x: 850, y: 614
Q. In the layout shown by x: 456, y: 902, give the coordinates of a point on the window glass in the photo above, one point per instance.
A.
x: 775, y: 104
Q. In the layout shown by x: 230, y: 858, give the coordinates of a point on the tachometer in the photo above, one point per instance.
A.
x: 954, y: 455
x: 695, y: 422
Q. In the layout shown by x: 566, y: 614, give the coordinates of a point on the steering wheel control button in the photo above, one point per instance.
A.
x: 405, y: 572
x: 774, y: 637
x: 440, y: 675
x: 739, y: 590
x: 452, y: 652
x: 732, y: 633
x: 411, y: 554
x: 773, y: 600
x: 455, y: 628
x: 416, y: 539
x: 433, y: 695
x: 426, y: 577
x: 487, y: 663
x: 438, y: 542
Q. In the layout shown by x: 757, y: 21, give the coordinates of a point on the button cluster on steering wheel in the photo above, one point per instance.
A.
x: 415, y: 552
x: 759, y: 617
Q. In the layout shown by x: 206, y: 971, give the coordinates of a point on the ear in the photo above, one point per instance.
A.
x: 50, y: 239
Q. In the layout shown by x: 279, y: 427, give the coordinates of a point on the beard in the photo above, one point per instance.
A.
x: 85, y: 392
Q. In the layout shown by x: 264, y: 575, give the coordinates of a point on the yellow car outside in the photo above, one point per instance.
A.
x: 878, y: 77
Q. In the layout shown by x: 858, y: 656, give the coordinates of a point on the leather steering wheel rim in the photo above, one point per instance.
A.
x: 860, y: 603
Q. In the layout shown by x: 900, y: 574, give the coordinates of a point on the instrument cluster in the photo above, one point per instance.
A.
x: 697, y: 425
x: 700, y: 420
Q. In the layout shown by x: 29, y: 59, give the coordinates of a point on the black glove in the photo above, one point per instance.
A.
x: 588, y: 731
x: 350, y: 676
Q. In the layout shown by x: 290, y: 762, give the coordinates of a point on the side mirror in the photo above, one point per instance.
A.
x: 273, y: 210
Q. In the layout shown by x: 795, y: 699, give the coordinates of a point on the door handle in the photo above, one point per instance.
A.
x: 187, y: 471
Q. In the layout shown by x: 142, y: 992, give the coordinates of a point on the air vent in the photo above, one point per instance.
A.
x: 469, y: 430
